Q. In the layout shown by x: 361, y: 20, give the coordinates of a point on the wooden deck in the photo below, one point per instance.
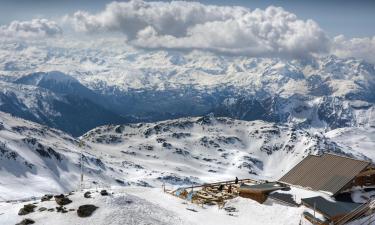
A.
x: 211, y: 193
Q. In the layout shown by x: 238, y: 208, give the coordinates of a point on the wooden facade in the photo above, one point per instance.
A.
x: 256, y: 196
x: 365, y: 178
x: 259, y: 192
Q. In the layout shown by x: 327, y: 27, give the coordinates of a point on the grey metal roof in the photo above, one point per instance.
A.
x: 329, y: 208
x: 327, y: 172
x: 284, y: 198
x: 265, y: 187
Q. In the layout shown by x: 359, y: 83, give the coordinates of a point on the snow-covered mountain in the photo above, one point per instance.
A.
x: 112, y: 66
x: 177, y: 152
x: 145, y: 86
x: 36, y: 159
x: 257, y: 112
x: 68, y: 112
x: 202, y: 149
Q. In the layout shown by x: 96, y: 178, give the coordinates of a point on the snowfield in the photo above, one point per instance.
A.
x: 134, y: 160
x: 136, y: 206
x: 146, y: 206
x: 175, y: 152
x: 42, y: 160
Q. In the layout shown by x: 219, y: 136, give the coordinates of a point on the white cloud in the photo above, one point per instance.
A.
x: 35, y: 28
x: 192, y: 25
x: 363, y: 48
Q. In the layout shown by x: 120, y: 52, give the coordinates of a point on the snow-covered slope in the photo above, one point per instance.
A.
x: 67, y: 112
x: 112, y: 65
x: 356, y: 139
x: 35, y: 159
x: 146, y: 86
x: 203, y: 149
x: 321, y: 92
x: 177, y: 152
x: 140, y: 206
x: 58, y: 82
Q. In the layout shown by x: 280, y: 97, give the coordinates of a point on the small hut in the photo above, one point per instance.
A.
x: 330, y: 173
x: 259, y: 192
x: 332, y: 211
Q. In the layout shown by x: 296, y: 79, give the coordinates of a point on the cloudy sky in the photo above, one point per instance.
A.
x: 290, y: 28
x: 353, y: 18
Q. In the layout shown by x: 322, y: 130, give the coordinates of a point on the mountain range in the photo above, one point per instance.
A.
x: 122, y: 86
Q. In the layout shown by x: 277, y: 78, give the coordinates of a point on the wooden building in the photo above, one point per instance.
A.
x: 259, y: 192
x: 330, y: 173
x: 332, y: 211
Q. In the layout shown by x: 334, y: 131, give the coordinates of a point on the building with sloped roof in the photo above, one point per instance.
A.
x: 333, y: 211
x: 330, y: 173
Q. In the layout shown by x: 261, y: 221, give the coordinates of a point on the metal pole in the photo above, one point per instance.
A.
x: 314, y: 215
x: 81, y: 162
x: 370, y: 220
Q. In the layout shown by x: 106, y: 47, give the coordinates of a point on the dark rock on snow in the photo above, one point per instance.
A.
x: 46, y: 198
x: 26, y: 222
x: 29, y: 208
x: 42, y: 209
x: 86, y: 210
x: 104, y: 192
x: 87, y: 194
x: 61, y: 209
x: 62, y: 200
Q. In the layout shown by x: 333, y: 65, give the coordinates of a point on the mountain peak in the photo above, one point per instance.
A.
x: 38, y: 78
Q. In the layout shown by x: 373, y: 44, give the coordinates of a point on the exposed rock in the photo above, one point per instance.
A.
x: 26, y: 222
x: 104, y: 192
x: 51, y: 210
x: 61, y: 209
x: 86, y: 210
x: 29, y: 208
x: 230, y: 209
x: 46, y: 198
x: 62, y: 200
x: 87, y: 194
x: 41, y: 209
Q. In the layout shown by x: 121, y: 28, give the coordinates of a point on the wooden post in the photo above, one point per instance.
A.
x: 314, y: 215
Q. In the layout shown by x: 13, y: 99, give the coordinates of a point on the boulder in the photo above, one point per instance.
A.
x: 41, y: 209
x: 62, y: 200
x: 29, y: 208
x: 61, y: 209
x: 46, y: 198
x: 87, y: 194
x: 26, y: 222
x: 86, y: 210
x: 104, y: 192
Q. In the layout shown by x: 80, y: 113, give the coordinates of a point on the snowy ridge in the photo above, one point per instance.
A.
x: 43, y: 159
x: 145, y: 86
x: 124, y: 68
x: 65, y: 111
x: 207, y: 149
x: 177, y: 152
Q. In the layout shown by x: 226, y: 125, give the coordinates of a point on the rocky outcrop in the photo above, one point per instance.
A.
x: 46, y: 198
x: 29, y: 208
x: 104, y: 192
x: 86, y: 210
x: 62, y: 200
x: 26, y: 222
x: 87, y: 194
